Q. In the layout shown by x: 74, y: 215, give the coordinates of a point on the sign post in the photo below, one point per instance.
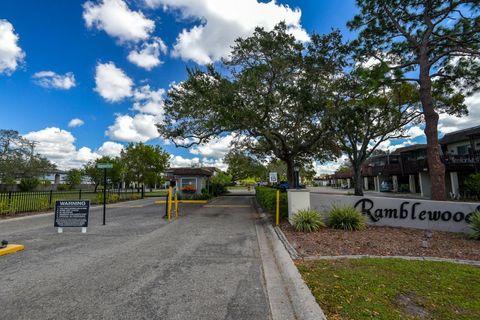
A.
x: 72, y: 213
x: 104, y: 166
x: 273, y: 177
x: 277, y: 209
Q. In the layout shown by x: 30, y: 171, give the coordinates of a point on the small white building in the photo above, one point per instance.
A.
x: 190, y: 181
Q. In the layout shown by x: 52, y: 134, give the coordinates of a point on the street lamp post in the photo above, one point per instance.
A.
x: 297, y: 177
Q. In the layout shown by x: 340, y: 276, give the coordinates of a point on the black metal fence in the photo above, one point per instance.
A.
x: 17, y: 202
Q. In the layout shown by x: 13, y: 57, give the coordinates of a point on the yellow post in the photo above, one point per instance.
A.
x: 169, y: 203
x: 176, y: 204
x: 277, y: 216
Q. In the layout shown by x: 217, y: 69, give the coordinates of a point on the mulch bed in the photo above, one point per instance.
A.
x: 383, y: 241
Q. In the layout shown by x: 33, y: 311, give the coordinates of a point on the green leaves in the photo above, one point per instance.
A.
x: 74, y: 177
x: 272, y: 90
x: 144, y: 163
x: 441, y: 37
x: 18, y: 158
x: 307, y: 220
x: 242, y: 166
x: 346, y: 218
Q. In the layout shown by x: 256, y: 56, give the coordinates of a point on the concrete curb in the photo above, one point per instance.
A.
x: 288, y: 246
x: 457, y: 261
x: 303, y: 302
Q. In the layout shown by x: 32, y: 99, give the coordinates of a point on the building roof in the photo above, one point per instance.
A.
x: 190, y: 172
x: 409, y: 148
x: 460, y: 135
x: 212, y: 169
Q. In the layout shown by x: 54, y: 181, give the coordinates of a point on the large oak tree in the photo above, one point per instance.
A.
x: 273, y: 92
x: 435, y: 43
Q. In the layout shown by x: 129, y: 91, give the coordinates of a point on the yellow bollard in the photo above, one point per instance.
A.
x: 169, y: 203
x: 176, y: 204
x: 277, y: 215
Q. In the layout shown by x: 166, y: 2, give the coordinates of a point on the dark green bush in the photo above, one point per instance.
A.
x: 472, y: 185
x: 62, y: 187
x: 307, y: 220
x: 217, y: 189
x: 7, y: 208
x: 346, y: 218
x: 203, y: 196
x: 475, y: 225
x: 111, y: 197
x: 28, y: 184
x: 267, y: 198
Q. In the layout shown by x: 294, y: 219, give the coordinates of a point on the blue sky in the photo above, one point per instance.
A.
x: 105, y: 63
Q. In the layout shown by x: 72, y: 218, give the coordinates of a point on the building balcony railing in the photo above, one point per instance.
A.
x: 387, y: 169
x: 414, y: 166
x: 462, y: 162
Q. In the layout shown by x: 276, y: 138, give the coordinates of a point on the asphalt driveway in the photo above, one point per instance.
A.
x: 205, y: 265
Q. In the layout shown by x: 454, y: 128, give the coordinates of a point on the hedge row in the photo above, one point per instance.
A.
x: 267, y: 197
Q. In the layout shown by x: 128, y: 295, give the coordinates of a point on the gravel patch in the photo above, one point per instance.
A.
x: 383, y: 241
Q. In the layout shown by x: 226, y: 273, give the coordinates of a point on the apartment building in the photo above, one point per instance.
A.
x: 406, y: 169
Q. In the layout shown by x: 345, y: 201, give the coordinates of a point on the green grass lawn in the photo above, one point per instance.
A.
x: 394, y: 289
x: 159, y: 193
x: 239, y: 188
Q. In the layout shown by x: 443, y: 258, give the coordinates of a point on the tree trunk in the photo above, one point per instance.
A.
x: 357, y: 180
x: 290, y: 173
x: 435, y: 166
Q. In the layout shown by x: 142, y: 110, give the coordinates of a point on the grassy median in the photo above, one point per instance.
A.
x: 394, y: 289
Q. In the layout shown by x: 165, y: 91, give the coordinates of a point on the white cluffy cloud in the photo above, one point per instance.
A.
x: 140, y: 127
x: 137, y: 128
x: 215, y: 148
x: 414, y: 132
x: 222, y: 22
x: 10, y: 52
x: 117, y: 20
x: 52, y: 80
x: 179, y: 161
x: 111, y: 149
x: 450, y: 123
x: 75, y: 123
x: 112, y: 83
x: 148, y: 55
x: 58, y: 146
x: 149, y: 101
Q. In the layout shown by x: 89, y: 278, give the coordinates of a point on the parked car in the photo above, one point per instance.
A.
x: 283, y: 185
x: 386, y: 186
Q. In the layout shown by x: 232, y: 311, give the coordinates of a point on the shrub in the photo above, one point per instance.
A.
x: 111, y: 198
x: 46, y: 183
x: 28, y: 184
x: 135, y: 196
x: 6, y: 208
x: 203, y: 196
x: 307, y: 220
x: 267, y: 199
x: 62, y: 187
x: 216, y: 189
x: 346, y: 218
x: 43, y: 204
x: 475, y: 225
x: 472, y: 185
